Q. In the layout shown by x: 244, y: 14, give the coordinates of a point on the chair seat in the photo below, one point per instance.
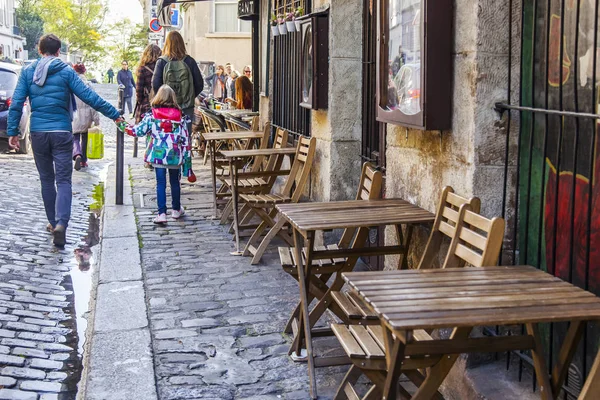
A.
x: 287, y: 256
x: 268, y: 199
x: 354, y: 307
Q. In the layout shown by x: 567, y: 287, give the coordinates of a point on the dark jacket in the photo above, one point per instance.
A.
x: 125, y: 78
x: 157, y: 80
x: 143, y: 88
x: 50, y: 102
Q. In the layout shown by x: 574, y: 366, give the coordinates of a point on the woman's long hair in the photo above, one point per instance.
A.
x: 243, y: 93
x: 174, y: 46
x: 151, y: 53
x: 165, y: 98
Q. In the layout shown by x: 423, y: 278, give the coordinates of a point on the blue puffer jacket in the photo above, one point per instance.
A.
x: 50, y: 102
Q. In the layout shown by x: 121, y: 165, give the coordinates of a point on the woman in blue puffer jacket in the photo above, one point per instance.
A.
x: 51, y: 85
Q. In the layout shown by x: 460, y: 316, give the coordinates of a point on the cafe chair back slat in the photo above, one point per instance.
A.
x: 264, y: 204
x: 476, y: 241
x: 211, y: 125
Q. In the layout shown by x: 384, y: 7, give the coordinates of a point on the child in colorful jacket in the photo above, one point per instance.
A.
x: 168, y: 149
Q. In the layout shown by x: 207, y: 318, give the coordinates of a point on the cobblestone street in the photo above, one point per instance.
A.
x: 216, y: 321
x: 44, y: 293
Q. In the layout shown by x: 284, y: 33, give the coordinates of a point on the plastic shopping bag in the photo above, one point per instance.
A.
x: 95, y: 144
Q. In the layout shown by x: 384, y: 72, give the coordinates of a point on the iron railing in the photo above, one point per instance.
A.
x: 550, y: 194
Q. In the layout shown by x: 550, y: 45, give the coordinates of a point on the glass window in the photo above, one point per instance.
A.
x: 404, y: 57
x: 226, y: 19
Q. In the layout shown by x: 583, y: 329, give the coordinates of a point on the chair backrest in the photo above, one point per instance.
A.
x: 259, y: 162
x: 478, y: 240
x: 210, y: 123
x: 255, y: 124
x: 300, y: 171
x: 444, y: 225
x: 369, y: 188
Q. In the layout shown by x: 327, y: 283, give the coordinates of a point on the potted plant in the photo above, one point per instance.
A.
x: 289, y: 22
x: 281, y: 26
x: 297, y: 14
x: 274, y: 28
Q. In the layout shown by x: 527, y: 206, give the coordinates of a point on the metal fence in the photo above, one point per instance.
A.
x: 550, y: 192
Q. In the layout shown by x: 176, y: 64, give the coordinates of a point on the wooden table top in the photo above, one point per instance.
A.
x: 257, y: 152
x: 466, y: 297
x: 232, y: 135
x: 353, y: 214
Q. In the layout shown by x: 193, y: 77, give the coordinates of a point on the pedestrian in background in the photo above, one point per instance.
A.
x: 248, y: 72
x: 50, y: 86
x: 168, y: 149
x: 125, y: 78
x: 229, y: 81
x: 217, y: 83
x: 111, y: 74
x: 180, y: 71
x: 82, y: 121
x: 243, y: 94
x: 143, y: 86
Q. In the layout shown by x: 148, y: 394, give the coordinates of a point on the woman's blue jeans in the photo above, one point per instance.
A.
x: 161, y: 189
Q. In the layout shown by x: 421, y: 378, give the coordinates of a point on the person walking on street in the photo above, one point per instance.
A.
x: 111, y: 74
x: 50, y: 86
x: 125, y: 78
x: 217, y: 83
x: 168, y: 149
x: 179, y: 71
x: 82, y: 121
x: 143, y: 86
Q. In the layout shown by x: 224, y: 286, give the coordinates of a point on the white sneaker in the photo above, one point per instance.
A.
x: 161, y: 219
x: 176, y: 214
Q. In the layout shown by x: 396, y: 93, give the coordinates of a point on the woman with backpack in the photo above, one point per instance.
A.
x: 179, y: 71
x: 143, y: 87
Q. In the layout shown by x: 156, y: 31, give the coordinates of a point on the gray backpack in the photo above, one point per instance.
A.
x: 178, y: 76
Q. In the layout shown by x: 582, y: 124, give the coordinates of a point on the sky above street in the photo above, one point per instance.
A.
x: 121, y: 9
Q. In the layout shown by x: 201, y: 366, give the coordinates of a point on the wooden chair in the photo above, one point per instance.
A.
x: 256, y: 184
x: 264, y: 204
x: 477, y: 241
x: 353, y: 308
x: 212, y: 125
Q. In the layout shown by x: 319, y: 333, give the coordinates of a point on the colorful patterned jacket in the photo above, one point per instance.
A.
x: 169, y: 144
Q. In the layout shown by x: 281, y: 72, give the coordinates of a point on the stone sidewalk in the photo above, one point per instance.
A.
x: 216, y: 321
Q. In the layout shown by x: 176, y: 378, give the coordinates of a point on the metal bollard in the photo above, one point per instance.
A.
x: 120, y: 153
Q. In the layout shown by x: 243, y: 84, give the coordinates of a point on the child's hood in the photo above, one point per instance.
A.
x: 172, y: 114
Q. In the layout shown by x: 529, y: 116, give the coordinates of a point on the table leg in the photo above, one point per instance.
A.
x: 567, y: 351
x: 539, y: 363
x: 394, y: 353
x: 213, y: 170
x: 305, y: 328
x: 234, y: 194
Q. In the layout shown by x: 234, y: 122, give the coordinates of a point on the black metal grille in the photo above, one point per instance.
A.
x: 287, y: 113
x: 550, y: 194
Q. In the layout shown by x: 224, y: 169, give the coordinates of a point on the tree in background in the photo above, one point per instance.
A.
x: 126, y: 41
x: 31, y: 23
x: 77, y: 22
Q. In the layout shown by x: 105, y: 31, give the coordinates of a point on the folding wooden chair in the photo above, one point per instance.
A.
x: 264, y: 204
x: 353, y: 308
x: 477, y: 241
x: 211, y: 124
x: 256, y: 184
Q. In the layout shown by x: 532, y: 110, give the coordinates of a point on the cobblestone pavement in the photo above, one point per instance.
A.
x: 216, y: 321
x: 44, y: 292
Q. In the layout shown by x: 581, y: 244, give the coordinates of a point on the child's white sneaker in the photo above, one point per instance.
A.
x: 176, y: 214
x: 161, y: 219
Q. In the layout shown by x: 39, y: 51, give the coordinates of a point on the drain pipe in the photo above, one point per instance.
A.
x: 120, y: 152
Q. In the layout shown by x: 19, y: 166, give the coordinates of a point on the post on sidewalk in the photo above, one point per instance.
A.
x: 120, y: 152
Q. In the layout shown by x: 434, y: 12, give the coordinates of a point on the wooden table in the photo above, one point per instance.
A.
x: 308, y: 218
x: 465, y: 298
x: 212, y: 138
x: 235, y: 155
